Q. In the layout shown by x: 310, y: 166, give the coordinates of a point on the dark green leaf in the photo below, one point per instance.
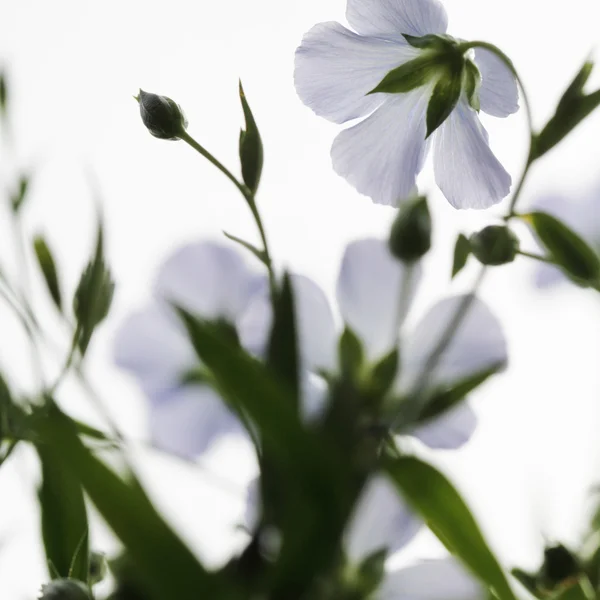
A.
x: 161, y: 559
x: 445, y: 96
x: 434, y: 497
x: 64, y: 518
x: 251, y: 149
x: 20, y: 195
x: 384, y: 373
x: 430, y: 40
x: 528, y: 580
x: 351, y: 354
x: 410, y: 237
x: 48, y: 268
x: 567, y: 249
x: 93, y: 296
x: 581, y: 589
x: 462, y: 249
x: 260, y: 254
x: 410, y: 75
x: 282, y: 353
x: 3, y: 95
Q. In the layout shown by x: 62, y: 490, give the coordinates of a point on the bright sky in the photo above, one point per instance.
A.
x: 73, y: 69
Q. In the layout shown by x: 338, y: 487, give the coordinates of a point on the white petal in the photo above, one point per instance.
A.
x: 450, y: 430
x: 466, y: 170
x: 151, y: 344
x: 208, y: 279
x: 477, y: 345
x: 442, y: 579
x: 499, y: 94
x: 314, y: 322
x: 187, y: 420
x: 374, y: 292
x: 414, y: 17
x: 313, y: 390
x: 382, y: 155
x: 381, y: 520
x: 335, y: 69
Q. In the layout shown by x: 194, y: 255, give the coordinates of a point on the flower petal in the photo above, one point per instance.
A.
x: 188, y: 419
x: 439, y: 579
x: 382, y: 155
x: 466, y: 170
x: 335, y: 68
x: 414, y: 17
x: 381, y: 520
x: 499, y: 94
x: 374, y: 293
x: 151, y: 344
x: 450, y: 430
x: 477, y: 345
x: 208, y: 279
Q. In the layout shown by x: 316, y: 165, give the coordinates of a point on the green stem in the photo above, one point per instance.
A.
x: 69, y: 360
x: 246, y: 193
x: 539, y: 257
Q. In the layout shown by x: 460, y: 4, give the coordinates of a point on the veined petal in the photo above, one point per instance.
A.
x: 440, y: 579
x: 477, y: 345
x: 466, y: 170
x: 374, y: 292
x: 209, y: 280
x: 186, y: 420
x: 450, y: 430
x: 151, y: 344
x: 381, y: 520
x: 414, y: 17
x: 498, y: 94
x: 335, y: 68
x: 382, y: 155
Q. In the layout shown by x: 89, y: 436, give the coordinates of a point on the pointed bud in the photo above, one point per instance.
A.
x: 495, y: 245
x: 163, y: 117
x: 65, y: 589
x: 410, y: 238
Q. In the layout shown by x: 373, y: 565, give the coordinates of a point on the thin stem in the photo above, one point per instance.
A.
x: 246, y: 193
x: 69, y: 360
x: 539, y: 257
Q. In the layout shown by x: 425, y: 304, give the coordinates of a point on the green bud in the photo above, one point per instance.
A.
x: 495, y: 245
x: 65, y: 589
x: 559, y: 565
x: 162, y: 116
x: 410, y: 238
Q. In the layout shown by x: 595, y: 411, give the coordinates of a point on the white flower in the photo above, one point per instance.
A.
x: 382, y: 155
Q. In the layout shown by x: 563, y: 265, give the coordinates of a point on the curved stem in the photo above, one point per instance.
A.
x: 538, y: 257
x: 248, y: 196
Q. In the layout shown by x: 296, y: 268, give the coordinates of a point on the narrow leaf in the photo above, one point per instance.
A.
x: 351, y: 355
x: 444, y: 97
x: 258, y: 253
x: 18, y: 197
x: 251, y: 148
x: 582, y: 589
x: 434, y: 497
x: 48, y: 268
x: 408, y: 76
x: 462, y: 249
x: 3, y: 96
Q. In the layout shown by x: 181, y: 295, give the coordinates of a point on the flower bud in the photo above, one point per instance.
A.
x: 65, y: 589
x: 494, y: 245
x: 163, y: 117
x: 410, y: 238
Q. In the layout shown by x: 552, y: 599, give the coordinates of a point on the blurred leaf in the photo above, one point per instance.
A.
x: 351, y: 355
x: 20, y: 195
x: 48, y: 268
x: 251, y: 149
x: 258, y: 253
x: 581, y: 589
x: 93, y: 296
x: 445, y: 95
x: 528, y: 580
x: 434, y: 497
x: 160, y: 557
x: 282, y: 352
x: 567, y: 249
x: 3, y: 96
x: 384, y: 373
x: 462, y: 249
x: 64, y: 518
x: 574, y: 106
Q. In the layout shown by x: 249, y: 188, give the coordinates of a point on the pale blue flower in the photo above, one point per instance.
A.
x: 382, y: 155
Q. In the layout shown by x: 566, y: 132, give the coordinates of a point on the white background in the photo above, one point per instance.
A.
x: 73, y: 68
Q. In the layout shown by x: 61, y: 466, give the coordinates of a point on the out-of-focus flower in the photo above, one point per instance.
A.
x: 582, y: 215
x: 163, y: 117
x: 336, y: 69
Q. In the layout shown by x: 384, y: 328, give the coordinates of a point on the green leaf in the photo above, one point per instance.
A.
x: 260, y: 254
x: 93, y: 296
x: 64, y: 518
x: 574, y: 107
x: 161, y: 559
x: 445, y: 96
x: 431, y: 40
x: 581, y: 589
x: 434, y: 497
x: 410, y: 75
x: 384, y: 373
x: 567, y: 249
x: 251, y: 148
x: 3, y: 96
x: 48, y: 268
x: 351, y: 354
x: 18, y: 197
x: 282, y: 352
x: 462, y: 249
